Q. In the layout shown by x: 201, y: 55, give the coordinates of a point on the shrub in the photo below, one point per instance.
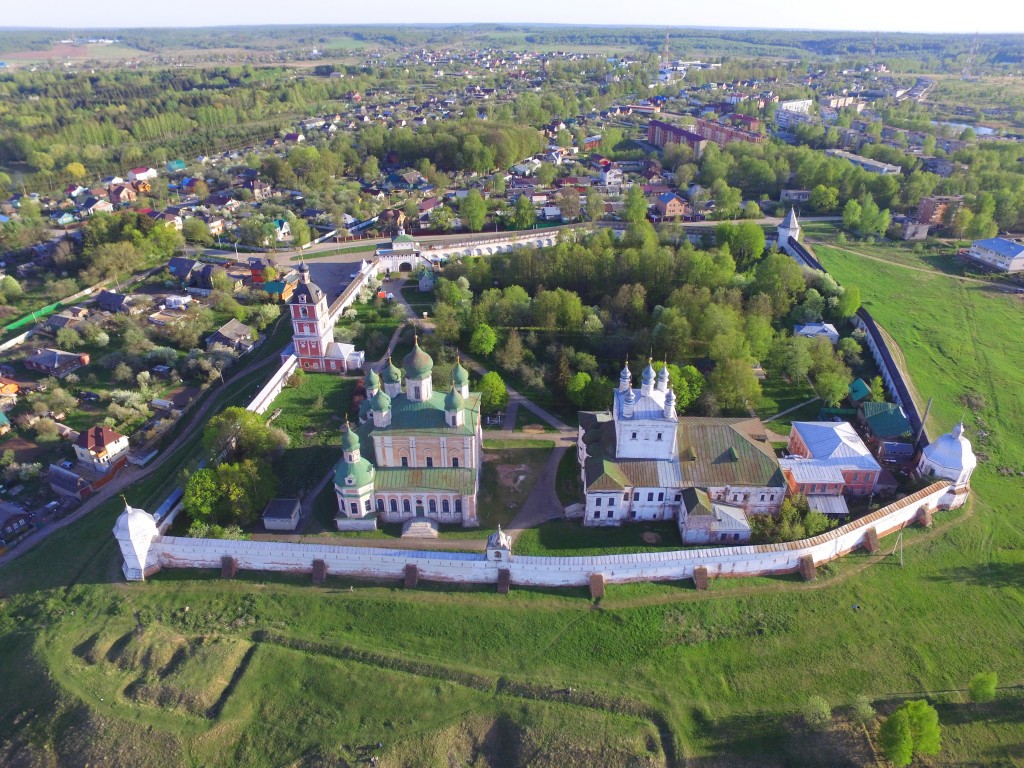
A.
x: 817, y: 713
x: 982, y: 687
x: 862, y: 711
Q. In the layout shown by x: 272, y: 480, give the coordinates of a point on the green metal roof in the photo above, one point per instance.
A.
x: 355, y: 475
x: 859, y: 390
x: 726, y: 451
x: 885, y: 420
x: 372, y: 380
x: 391, y: 373
x: 412, y: 417
x: 461, y: 480
x: 460, y: 375
x: 696, y: 502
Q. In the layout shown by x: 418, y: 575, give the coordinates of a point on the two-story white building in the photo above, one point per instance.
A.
x: 637, y: 459
x: 998, y: 253
x: 100, y: 447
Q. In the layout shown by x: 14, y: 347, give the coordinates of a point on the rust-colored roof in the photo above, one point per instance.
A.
x: 97, y: 438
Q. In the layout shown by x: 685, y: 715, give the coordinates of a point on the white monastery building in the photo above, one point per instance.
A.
x: 638, y: 460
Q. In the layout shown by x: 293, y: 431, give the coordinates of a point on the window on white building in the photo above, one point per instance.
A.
x: 455, y: 461
x: 597, y: 515
x: 650, y: 495
x: 380, y: 505
x: 432, y: 506
x: 405, y: 505
x: 636, y: 495
x: 394, y: 505
x: 611, y: 501
x: 659, y: 435
x: 430, y: 461
x: 366, y: 505
x: 445, y: 507
x: 458, y: 506
x: 405, y: 461
x: 634, y: 436
x: 597, y: 502
x: 661, y: 496
x: 354, y: 508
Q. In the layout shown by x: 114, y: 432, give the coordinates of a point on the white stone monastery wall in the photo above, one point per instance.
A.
x: 273, y: 388
x: 175, y: 552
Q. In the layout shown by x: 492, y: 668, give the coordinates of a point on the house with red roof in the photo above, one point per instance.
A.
x: 101, y: 449
x: 142, y: 174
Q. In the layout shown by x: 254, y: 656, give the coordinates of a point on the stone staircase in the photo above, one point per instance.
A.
x: 419, y: 528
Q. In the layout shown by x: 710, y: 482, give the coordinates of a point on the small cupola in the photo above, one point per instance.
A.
x: 372, y: 383
x: 460, y: 376
x: 647, y: 379
x: 349, y: 443
x: 625, y: 378
x: 454, y: 408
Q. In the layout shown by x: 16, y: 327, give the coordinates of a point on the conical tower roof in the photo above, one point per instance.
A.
x: 790, y: 222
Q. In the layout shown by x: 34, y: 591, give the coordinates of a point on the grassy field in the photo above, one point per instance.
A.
x: 655, y: 675
x: 312, y: 414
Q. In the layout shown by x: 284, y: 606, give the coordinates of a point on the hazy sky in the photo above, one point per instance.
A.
x: 881, y: 15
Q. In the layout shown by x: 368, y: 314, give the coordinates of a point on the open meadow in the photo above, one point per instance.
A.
x: 188, y: 669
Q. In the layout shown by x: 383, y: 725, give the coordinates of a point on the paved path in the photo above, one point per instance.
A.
x: 132, y: 475
x: 542, y: 504
x: 522, y: 401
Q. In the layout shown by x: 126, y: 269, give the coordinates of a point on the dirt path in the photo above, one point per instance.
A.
x: 796, y: 407
x: 927, y: 270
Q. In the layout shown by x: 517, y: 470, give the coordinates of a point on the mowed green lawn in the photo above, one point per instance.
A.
x: 462, y: 676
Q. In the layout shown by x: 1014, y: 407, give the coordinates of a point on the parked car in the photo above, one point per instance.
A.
x: 67, y: 464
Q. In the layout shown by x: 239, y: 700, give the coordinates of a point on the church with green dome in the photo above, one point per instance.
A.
x: 416, y: 452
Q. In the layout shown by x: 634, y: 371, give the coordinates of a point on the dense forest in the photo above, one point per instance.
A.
x: 583, y: 307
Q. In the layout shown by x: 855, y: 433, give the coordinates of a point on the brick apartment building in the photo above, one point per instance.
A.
x: 662, y: 134
x: 724, y: 134
x: 936, y: 210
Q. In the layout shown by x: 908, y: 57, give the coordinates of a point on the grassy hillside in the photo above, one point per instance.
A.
x: 188, y: 669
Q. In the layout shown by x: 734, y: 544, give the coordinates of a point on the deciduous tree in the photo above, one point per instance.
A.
x: 493, y: 393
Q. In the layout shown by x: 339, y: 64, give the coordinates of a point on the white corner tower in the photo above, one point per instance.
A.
x: 135, y: 531
x: 951, y: 458
x: 789, y: 227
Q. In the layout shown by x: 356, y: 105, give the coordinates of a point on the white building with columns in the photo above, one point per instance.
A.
x: 637, y: 459
x: 416, y: 452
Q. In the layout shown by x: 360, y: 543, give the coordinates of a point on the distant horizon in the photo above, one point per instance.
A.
x: 943, y: 17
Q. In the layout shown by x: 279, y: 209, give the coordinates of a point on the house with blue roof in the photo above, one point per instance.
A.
x: 671, y: 206
x: 999, y: 253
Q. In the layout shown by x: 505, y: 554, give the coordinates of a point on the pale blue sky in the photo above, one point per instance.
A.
x: 880, y: 15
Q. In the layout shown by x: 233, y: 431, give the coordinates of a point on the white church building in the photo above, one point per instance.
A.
x: 637, y: 460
